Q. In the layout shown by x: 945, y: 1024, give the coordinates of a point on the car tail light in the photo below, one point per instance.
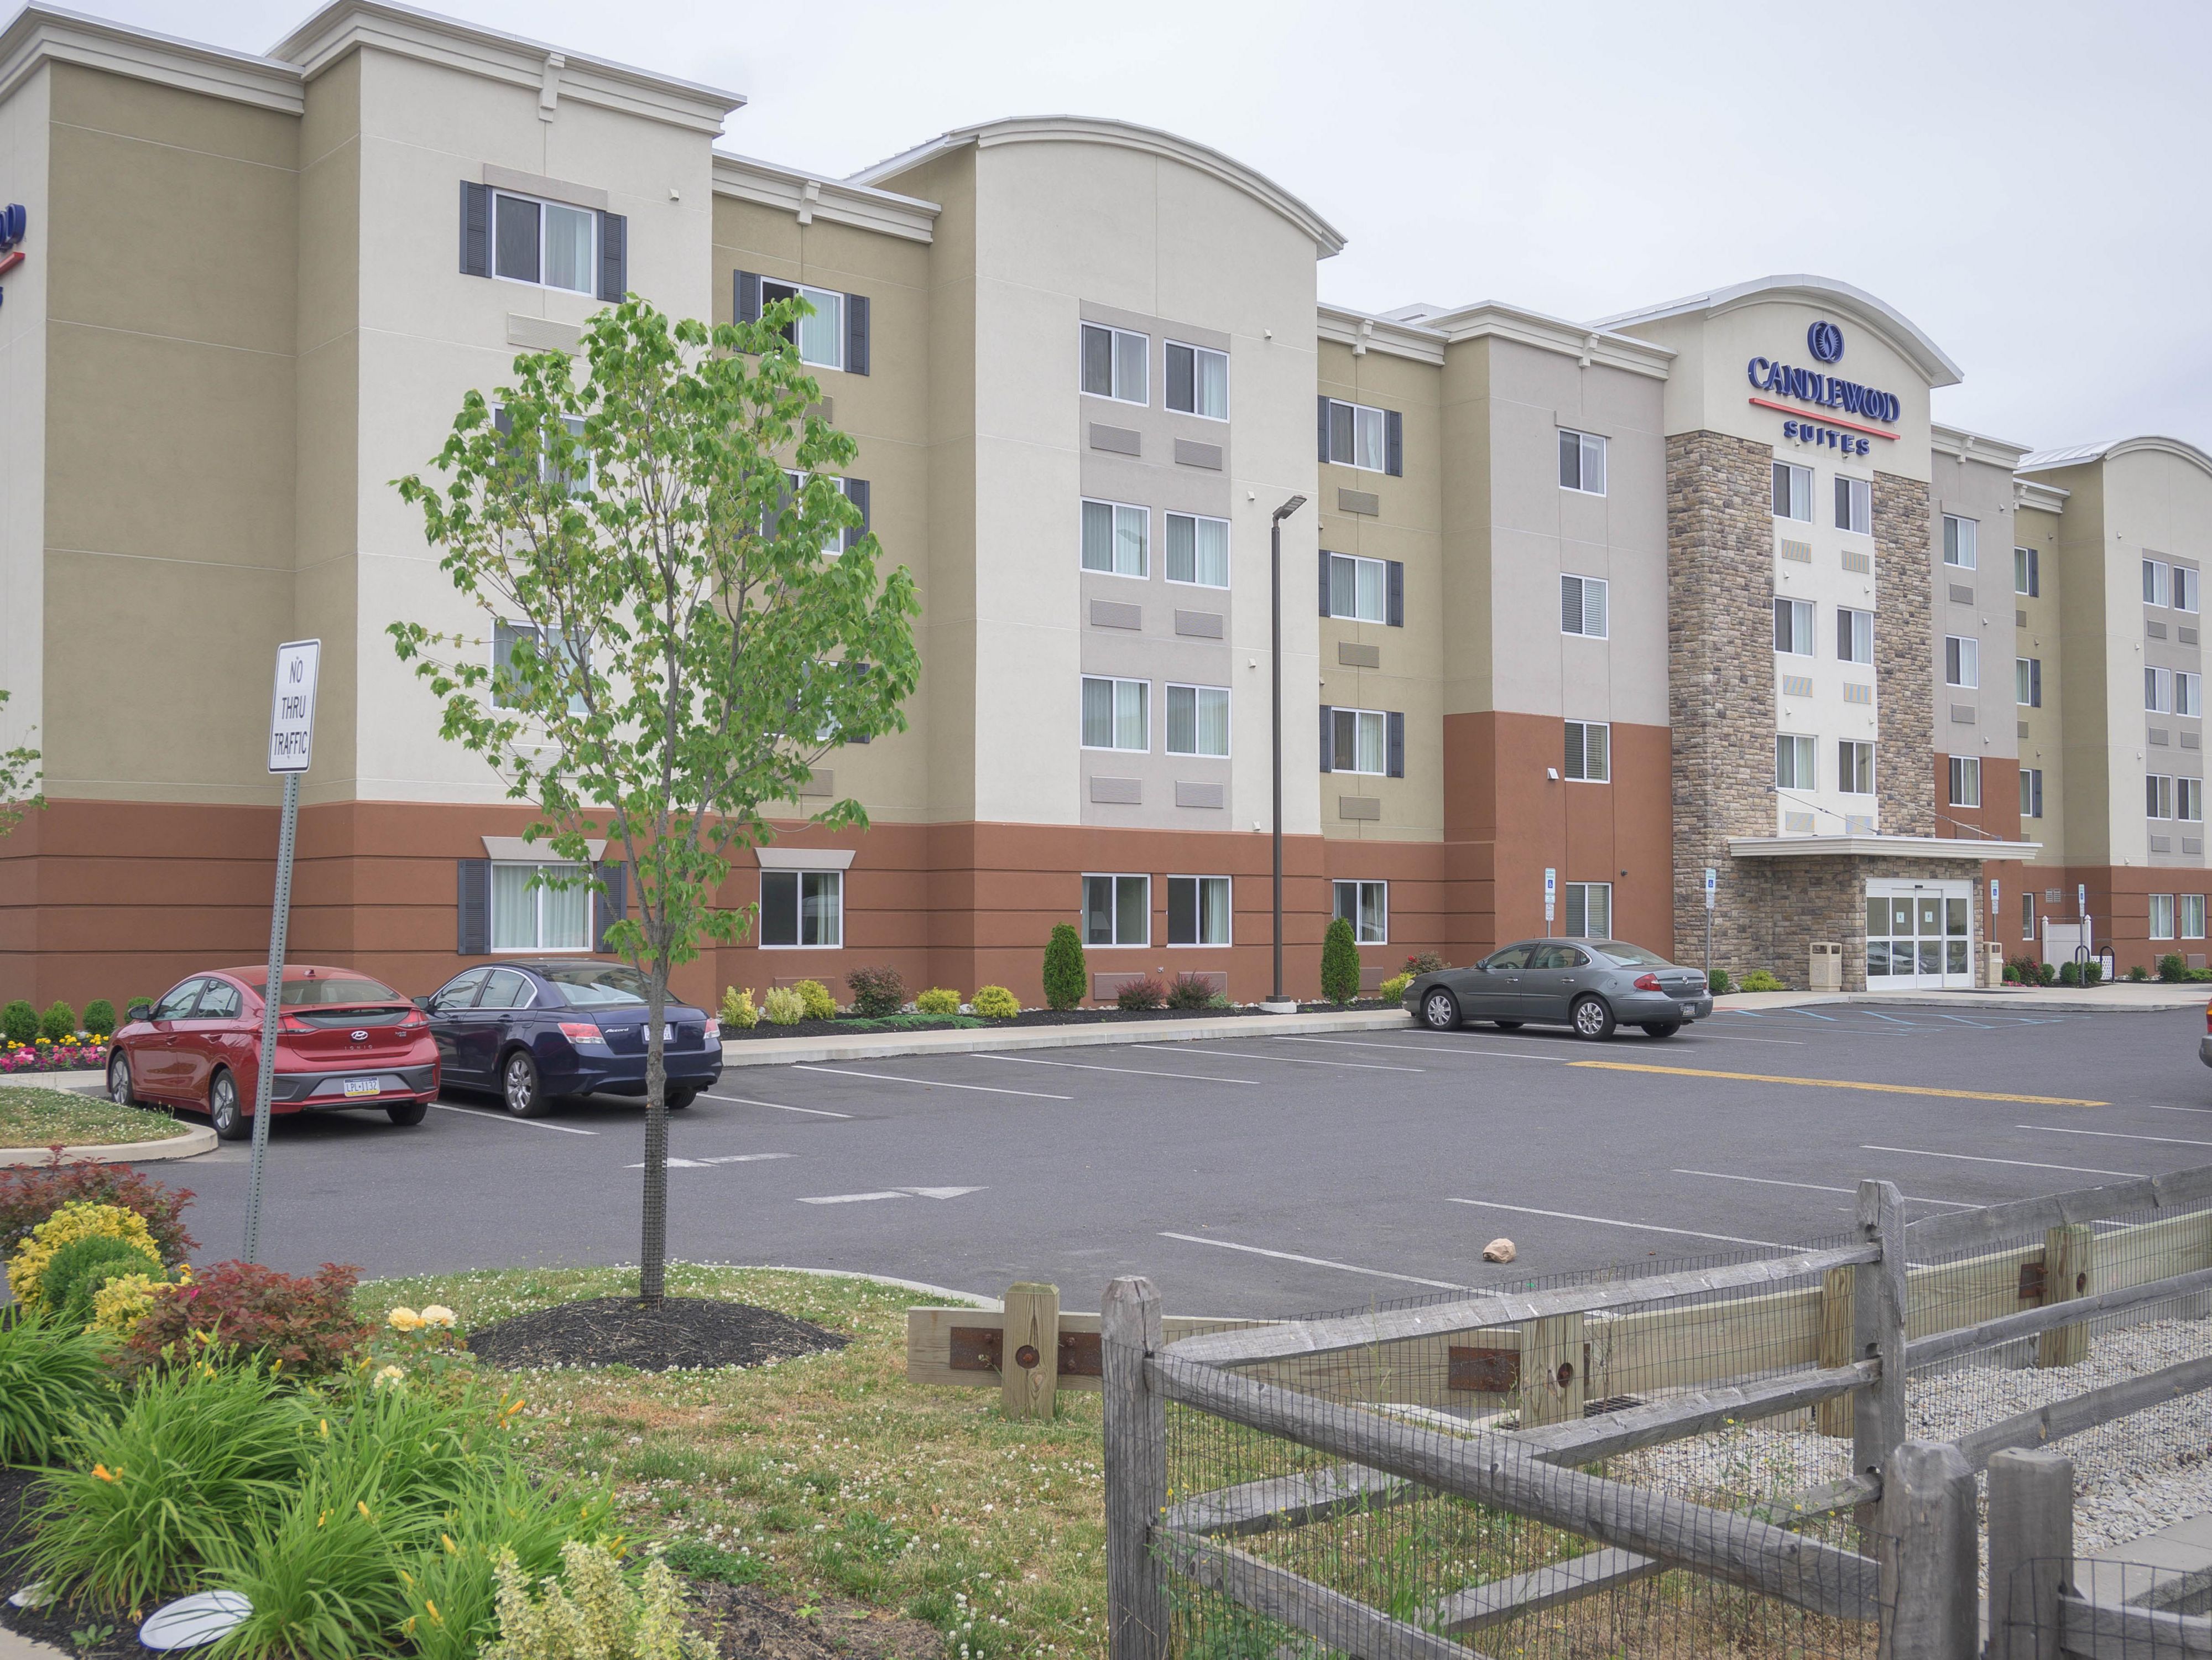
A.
x: 713, y: 1032
x: 1647, y: 983
x: 292, y: 1023
x: 582, y: 1032
x: 415, y: 1017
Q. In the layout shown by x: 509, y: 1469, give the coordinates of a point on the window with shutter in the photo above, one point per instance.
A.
x: 610, y: 907
x: 474, y: 906
x: 745, y: 299
x: 476, y: 230
x: 1397, y: 594
x: 1328, y: 564
x: 1582, y: 605
x: 856, y: 492
x: 1397, y: 745
x: 614, y: 257
x: 1327, y: 738
x: 1393, y: 444
x: 856, y: 334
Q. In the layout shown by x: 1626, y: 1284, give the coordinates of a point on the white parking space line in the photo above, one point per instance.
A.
x: 2154, y: 1107
x: 930, y: 1082
x: 748, y: 1101
x: 509, y: 1118
x: 1726, y: 1037
x: 720, y: 1159
x: 2117, y: 1135
x: 890, y: 1192
x: 1815, y: 1187
x: 1426, y: 1049
x: 1617, y: 1222
x: 1315, y: 1262
x: 1278, y: 1060
x: 1133, y: 1071
x: 1979, y: 1158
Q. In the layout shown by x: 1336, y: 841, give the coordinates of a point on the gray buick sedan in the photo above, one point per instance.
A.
x: 1592, y: 985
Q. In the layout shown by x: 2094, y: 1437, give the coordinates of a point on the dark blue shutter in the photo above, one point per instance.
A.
x: 610, y: 907
x: 1396, y: 723
x: 476, y: 230
x: 1324, y: 581
x: 474, y: 907
x: 1324, y: 438
x: 856, y: 492
x: 1393, y: 443
x: 1327, y: 738
x: 1396, y: 613
x: 614, y: 256
x: 746, y: 306
x: 856, y: 334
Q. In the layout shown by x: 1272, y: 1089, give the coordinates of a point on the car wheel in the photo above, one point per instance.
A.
x: 1662, y: 1028
x: 1440, y: 1010
x: 1508, y: 1025
x: 119, y: 1081
x: 231, y: 1123
x: 404, y: 1113
x: 679, y: 1100
x: 1593, y: 1018
x: 519, y: 1086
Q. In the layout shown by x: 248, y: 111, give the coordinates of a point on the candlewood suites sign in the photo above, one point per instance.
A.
x: 1825, y: 341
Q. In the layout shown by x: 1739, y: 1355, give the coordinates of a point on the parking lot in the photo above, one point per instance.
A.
x: 1264, y: 1175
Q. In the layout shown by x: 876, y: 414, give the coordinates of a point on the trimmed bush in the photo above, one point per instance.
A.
x: 737, y: 1012
x: 2092, y: 972
x: 2070, y: 974
x: 1190, y: 991
x: 302, y: 1325
x: 1339, y: 963
x: 81, y: 1270
x: 939, y: 999
x: 1424, y: 962
x: 814, y: 997
x: 19, y: 1023
x: 1066, y: 976
x: 58, y: 1023
x: 783, y: 1006
x: 1717, y: 982
x: 1760, y: 980
x: 2173, y: 968
x: 29, y: 1197
x: 878, y: 992
x: 1394, y: 989
x: 1142, y: 992
x: 70, y: 1224
x: 49, y: 1373
x: 99, y: 1017
x: 2138, y: 974
x: 995, y: 1003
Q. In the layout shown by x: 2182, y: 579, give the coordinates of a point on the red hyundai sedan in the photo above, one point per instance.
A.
x: 342, y: 1040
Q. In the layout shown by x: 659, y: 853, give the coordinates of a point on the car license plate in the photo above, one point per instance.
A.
x: 668, y: 1033
x: 364, y: 1086
x: 1690, y: 1009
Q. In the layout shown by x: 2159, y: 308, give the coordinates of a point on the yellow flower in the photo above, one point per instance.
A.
x: 103, y: 1473
x: 78, y: 1219
x: 437, y: 1314
x: 403, y: 1318
x: 388, y: 1375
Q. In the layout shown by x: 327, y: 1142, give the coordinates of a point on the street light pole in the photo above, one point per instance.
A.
x: 1275, y: 662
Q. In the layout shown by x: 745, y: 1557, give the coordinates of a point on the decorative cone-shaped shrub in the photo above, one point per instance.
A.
x: 1339, y: 963
x: 1066, y: 977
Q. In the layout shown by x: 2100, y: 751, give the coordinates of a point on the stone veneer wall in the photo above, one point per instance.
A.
x: 1793, y: 902
x: 1904, y: 639
x: 1720, y: 682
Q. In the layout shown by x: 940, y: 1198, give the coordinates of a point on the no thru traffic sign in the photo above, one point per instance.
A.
x: 292, y: 712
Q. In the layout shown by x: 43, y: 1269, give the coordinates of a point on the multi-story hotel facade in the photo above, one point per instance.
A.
x: 1585, y: 606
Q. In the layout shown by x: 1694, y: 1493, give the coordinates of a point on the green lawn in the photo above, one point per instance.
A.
x: 34, y: 1116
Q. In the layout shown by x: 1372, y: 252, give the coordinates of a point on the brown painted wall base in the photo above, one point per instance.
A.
x: 2119, y: 908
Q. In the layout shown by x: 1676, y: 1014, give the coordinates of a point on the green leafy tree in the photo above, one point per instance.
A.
x: 1066, y: 977
x: 693, y: 637
x: 18, y: 783
x: 1339, y: 963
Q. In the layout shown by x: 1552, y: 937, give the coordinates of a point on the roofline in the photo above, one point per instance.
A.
x: 40, y: 35
x: 1095, y: 130
x: 431, y: 37
x: 2047, y: 460
x: 2042, y: 498
x: 814, y: 196
x: 1878, y: 846
x: 1977, y: 447
x: 1424, y: 340
x: 1934, y: 366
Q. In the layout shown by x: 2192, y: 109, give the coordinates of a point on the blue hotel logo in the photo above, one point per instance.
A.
x: 1825, y: 341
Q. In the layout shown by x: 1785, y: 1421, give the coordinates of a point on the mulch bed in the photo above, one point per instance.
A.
x: 745, y: 1624
x: 620, y: 1331
x: 52, y: 1625
x: 848, y: 1026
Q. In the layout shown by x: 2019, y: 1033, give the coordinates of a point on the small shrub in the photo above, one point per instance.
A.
x: 1392, y: 990
x: 1424, y: 962
x: 124, y: 1301
x: 2173, y: 967
x: 2070, y: 974
x: 737, y: 1013
x: 1190, y: 991
x: 939, y: 999
x: 1066, y: 976
x: 304, y: 1325
x: 1717, y: 982
x: 58, y: 1023
x: 2011, y: 974
x: 1339, y: 963
x: 2139, y: 975
x: 783, y: 1006
x: 2092, y: 972
x: 814, y: 997
x: 877, y: 993
x: 49, y: 1373
x: 596, y: 1613
x: 19, y: 1023
x: 1142, y: 992
x: 29, y: 1196
x: 81, y: 1269
x: 71, y: 1224
x: 995, y: 1003
x: 99, y: 1017
x: 1760, y: 980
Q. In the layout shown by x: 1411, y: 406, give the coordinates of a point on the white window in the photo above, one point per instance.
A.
x: 1198, y: 381
x: 1959, y: 536
x: 541, y: 918
x: 547, y: 243
x: 802, y: 908
x: 1358, y: 588
x: 2028, y: 571
x: 2162, y: 916
x: 2027, y: 916
x: 2155, y: 585
x: 1854, y: 767
x: 1793, y: 627
x: 1198, y: 720
x: 1854, y: 636
x: 2184, y: 587
x: 1117, y: 910
x: 1198, y: 550
x: 2189, y: 800
x: 2188, y: 692
x: 1358, y: 435
x: 834, y: 539
x: 2031, y: 794
x: 505, y: 688
x: 2193, y: 914
x: 2028, y: 682
x: 1582, y: 605
x: 1198, y: 911
x: 1793, y: 491
x: 1116, y: 714
x: 2158, y: 690
x: 1114, y: 364
x: 1582, y: 462
x: 1589, y: 910
x: 1360, y: 740
x: 1854, y: 505
x: 1590, y: 751
x: 819, y: 333
x: 1966, y: 781
x: 1962, y: 661
x: 1366, y: 906
x: 1797, y: 766
x: 1117, y: 538
x: 2158, y: 797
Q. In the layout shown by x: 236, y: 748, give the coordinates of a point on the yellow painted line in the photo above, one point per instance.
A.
x: 1838, y: 1083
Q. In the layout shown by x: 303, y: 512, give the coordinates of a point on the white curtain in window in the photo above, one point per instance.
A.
x: 1130, y: 352
x: 1213, y: 722
x: 821, y: 335
x: 1368, y: 736
x: 1131, y: 533
x: 1097, y: 536
x: 571, y: 234
x: 514, y: 908
x: 1371, y: 591
x: 1131, y: 718
x: 1367, y: 438
x: 565, y: 915
x: 1211, y: 387
x: 1210, y: 555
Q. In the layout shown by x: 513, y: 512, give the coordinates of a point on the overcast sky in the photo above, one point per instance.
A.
x: 2027, y: 182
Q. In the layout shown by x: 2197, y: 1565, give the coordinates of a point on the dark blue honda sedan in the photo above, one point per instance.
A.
x: 539, y: 1031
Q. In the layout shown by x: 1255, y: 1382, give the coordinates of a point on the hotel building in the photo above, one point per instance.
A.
x: 1583, y: 606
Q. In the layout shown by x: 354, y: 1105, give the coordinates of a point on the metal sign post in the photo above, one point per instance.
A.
x: 1712, y: 884
x: 291, y: 744
x: 1550, y: 893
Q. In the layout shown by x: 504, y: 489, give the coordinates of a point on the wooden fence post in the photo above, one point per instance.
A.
x: 1028, y: 1351
x: 1136, y: 1473
x: 1834, y: 1417
x: 2030, y: 1551
x: 2069, y: 1252
x: 1553, y: 1387
x: 1879, y: 1307
x: 1930, y: 1555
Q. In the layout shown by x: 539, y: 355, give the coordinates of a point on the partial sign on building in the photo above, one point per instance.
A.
x: 1712, y: 884
x: 1550, y: 893
x: 292, y: 714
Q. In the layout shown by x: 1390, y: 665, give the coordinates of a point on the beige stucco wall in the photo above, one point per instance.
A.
x: 26, y: 142
x: 1979, y: 489
x: 2045, y: 744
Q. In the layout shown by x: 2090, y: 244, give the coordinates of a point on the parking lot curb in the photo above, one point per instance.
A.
x: 785, y: 1051
x: 197, y: 1140
x: 2125, y: 998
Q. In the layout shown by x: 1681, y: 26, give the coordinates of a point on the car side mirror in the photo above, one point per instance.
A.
x: 139, y: 1011
x: 422, y: 1003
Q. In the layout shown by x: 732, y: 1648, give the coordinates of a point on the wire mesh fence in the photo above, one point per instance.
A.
x: 2098, y: 1610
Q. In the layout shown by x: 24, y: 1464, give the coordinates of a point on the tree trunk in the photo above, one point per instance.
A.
x: 653, y: 1256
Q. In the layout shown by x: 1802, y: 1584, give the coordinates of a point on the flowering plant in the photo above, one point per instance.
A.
x: 80, y: 1052
x: 425, y: 1343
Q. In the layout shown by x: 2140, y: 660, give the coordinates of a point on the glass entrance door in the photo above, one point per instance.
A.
x: 1919, y: 935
